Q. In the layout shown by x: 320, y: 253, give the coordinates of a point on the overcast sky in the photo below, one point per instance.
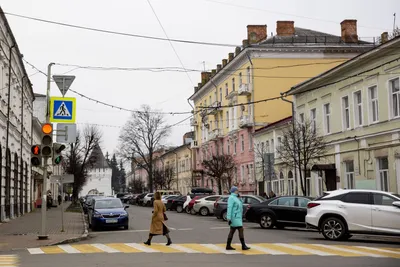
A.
x: 219, y: 21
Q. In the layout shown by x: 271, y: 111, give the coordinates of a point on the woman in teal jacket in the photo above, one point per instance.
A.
x: 235, y: 218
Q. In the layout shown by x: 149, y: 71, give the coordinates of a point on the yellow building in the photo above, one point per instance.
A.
x: 356, y: 106
x: 229, y: 101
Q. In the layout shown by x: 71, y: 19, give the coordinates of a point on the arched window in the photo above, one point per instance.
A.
x: 8, y: 184
x: 281, y: 175
x: 290, y: 175
x: 15, y: 184
x: 281, y: 183
x: 290, y: 184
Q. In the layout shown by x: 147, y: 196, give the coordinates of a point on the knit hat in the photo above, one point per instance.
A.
x: 234, y: 189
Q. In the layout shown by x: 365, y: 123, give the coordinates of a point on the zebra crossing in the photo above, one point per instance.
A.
x: 296, y: 249
x: 8, y: 260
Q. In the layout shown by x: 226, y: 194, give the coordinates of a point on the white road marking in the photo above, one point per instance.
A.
x: 183, y: 249
x: 105, y: 248
x: 35, y: 251
x: 221, y: 227
x: 380, y: 250
x: 69, y: 249
x: 185, y: 229
x: 266, y: 250
x: 350, y: 251
x: 120, y: 232
x: 141, y: 247
x: 220, y: 249
x: 308, y: 250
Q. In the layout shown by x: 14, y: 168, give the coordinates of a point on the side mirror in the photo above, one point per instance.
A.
x: 396, y: 204
x: 126, y: 207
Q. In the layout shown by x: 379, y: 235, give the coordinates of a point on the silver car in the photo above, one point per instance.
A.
x: 205, y: 205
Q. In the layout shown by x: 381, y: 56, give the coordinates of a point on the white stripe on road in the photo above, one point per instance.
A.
x: 105, y: 248
x: 35, y: 251
x: 183, y: 249
x: 221, y: 227
x: 141, y: 247
x: 220, y: 249
x: 120, y: 232
x: 350, y: 250
x: 185, y: 229
x: 267, y: 250
x: 307, y: 250
x: 380, y: 250
x: 69, y: 249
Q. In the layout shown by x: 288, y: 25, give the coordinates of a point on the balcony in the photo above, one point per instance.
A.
x: 232, y: 95
x: 244, y: 89
x: 193, y: 122
x: 194, y: 144
x: 215, y: 134
x: 245, y: 121
x: 214, y: 108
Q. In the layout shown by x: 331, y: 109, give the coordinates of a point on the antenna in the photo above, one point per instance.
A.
x: 204, y: 64
x: 394, y: 21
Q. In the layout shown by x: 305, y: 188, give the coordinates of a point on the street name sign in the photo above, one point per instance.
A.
x: 66, y: 133
x: 62, y: 109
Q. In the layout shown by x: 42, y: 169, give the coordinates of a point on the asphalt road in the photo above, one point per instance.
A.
x: 188, y: 230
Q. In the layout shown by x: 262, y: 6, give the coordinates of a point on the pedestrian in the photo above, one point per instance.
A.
x: 157, y: 226
x: 235, y: 218
x: 59, y: 198
x: 272, y: 194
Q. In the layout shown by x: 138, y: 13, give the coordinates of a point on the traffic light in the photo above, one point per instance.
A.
x: 57, y: 149
x: 47, y: 139
x: 36, y: 157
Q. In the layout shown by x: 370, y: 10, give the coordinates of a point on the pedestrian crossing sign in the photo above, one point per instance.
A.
x: 62, y: 109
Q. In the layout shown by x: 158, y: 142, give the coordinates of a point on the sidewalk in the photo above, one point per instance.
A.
x: 22, y: 232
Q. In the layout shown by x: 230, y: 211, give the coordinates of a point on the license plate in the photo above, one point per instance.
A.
x: 111, y: 220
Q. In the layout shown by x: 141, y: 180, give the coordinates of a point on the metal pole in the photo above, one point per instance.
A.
x: 62, y: 205
x: 43, y: 232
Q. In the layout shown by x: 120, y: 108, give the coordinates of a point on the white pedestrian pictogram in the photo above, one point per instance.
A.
x: 62, y: 111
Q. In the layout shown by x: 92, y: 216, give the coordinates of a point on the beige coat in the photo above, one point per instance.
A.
x: 157, y: 219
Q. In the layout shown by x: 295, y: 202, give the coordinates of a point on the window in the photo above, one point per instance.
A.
x: 373, y: 104
x: 279, y: 142
x: 234, y: 147
x: 233, y: 84
x: 222, y: 121
x: 250, y: 143
x: 383, y: 200
x: 226, y: 89
x: 302, y: 202
x: 240, y: 79
x: 383, y: 171
x: 242, y: 142
x: 395, y: 97
x: 220, y: 94
x: 266, y: 147
x: 242, y: 174
x: 227, y: 119
x: 358, y: 120
x: 290, y: 183
x: 286, y: 201
x: 209, y: 100
x: 272, y: 145
x: 228, y: 148
x: 281, y: 183
x: 308, y: 186
x: 346, y: 113
x: 327, y: 118
x: 313, y: 117
x: 262, y: 147
x: 248, y: 75
x: 349, y: 175
x: 301, y: 118
x: 357, y: 198
x: 251, y: 200
x: 320, y: 186
x: 251, y: 172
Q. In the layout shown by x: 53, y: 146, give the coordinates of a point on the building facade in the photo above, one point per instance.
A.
x: 242, y: 94
x: 356, y: 107
x: 16, y: 107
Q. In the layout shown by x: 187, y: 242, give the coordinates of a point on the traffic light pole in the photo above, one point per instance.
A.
x: 43, y: 232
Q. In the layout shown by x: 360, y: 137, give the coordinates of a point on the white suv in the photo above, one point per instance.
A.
x: 340, y: 213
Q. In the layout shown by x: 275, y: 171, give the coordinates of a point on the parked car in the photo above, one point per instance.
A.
x: 177, y: 204
x: 205, y: 205
x: 340, y: 213
x: 279, y: 212
x: 132, y: 200
x: 88, y: 202
x: 168, y: 192
x: 221, y: 205
x: 126, y: 198
x: 139, y: 199
x: 147, y: 199
x: 189, y: 207
x: 170, y: 202
x: 165, y: 198
x: 108, y: 212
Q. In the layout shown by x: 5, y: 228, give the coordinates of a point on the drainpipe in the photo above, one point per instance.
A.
x: 294, y: 128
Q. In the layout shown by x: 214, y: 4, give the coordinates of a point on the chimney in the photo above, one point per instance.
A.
x: 219, y: 67
x: 349, y: 31
x: 231, y: 56
x: 196, y: 89
x: 384, y: 37
x: 199, y: 85
x: 256, y: 33
x: 224, y: 62
x: 205, y: 77
x: 213, y: 72
x: 285, y: 28
x: 245, y: 43
x: 237, y: 51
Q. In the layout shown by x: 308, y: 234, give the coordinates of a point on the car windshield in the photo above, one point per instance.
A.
x: 397, y: 195
x: 108, y: 204
x: 260, y: 198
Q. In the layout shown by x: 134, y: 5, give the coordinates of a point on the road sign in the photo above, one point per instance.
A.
x: 63, y: 82
x: 62, y: 109
x: 66, y: 133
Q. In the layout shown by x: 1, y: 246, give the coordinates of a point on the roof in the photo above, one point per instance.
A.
x: 307, y: 36
x: 274, y: 124
x: 39, y: 95
x: 3, y: 17
x: 98, y: 159
x: 352, y: 63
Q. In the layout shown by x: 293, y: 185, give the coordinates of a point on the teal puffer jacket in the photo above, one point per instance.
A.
x: 235, y: 210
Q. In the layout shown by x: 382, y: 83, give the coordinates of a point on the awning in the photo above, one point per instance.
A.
x: 323, y: 167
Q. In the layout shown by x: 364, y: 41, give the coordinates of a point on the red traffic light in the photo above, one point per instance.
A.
x: 35, y: 150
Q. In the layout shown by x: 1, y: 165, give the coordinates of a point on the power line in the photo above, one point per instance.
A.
x: 118, y: 33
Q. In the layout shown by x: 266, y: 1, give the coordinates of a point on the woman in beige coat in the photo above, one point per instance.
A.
x: 157, y: 226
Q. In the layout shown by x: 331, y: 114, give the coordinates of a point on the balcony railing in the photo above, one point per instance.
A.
x: 214, y: 134
x: 232, y: 95
x: 244, y: 89
x: 245, y: 121
x: 194, y: 144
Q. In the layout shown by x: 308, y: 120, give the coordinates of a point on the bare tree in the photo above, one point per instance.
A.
x: 140, y: 138
x: 136, y: 186
x: 163, y: 178
x: 220, y: 167
x: 80, y: 157
x: 300, y: 148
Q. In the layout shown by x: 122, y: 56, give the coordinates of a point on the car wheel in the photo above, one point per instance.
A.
x: 179, y: 209
x: 192, y: 211
x: 333, y: 229
x: 266, y: 221
x: 224, y: 216
x: 204, y: 211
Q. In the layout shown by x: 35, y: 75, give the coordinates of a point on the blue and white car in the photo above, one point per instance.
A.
x: 108, y: 212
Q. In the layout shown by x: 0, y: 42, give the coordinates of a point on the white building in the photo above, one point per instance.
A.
x: 16, y: 97
x: 99, y: 177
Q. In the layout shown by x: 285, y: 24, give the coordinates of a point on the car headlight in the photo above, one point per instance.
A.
x: 123, y: 215
x: 97, y: 215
